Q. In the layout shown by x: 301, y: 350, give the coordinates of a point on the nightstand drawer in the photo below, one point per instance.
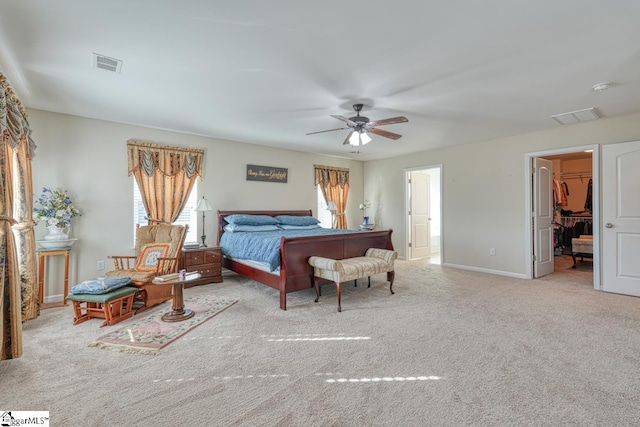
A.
x: 211, y: 256
x: 194, y: 258
x: 207, y: 270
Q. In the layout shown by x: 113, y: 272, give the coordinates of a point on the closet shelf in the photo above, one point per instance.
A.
x: 576, y: 175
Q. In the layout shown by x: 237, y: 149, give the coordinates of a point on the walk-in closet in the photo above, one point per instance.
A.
x: 573, y: 221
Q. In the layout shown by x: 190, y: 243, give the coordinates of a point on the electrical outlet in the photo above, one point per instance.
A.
x: 100, y: 265
x: 492, y: 251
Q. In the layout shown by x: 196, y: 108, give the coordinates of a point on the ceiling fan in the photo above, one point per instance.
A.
x: 361, y: 126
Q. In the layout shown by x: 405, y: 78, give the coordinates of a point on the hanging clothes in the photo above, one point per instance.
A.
x: 589, y: 201
x: 560, y: 192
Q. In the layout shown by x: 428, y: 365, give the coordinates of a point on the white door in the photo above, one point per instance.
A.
x: 420, y: 206
x: 621, y: 218
x: 542, y: 217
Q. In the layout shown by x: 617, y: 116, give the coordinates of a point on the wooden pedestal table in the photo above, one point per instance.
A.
x: 178, y: 313
x: 42, y: 255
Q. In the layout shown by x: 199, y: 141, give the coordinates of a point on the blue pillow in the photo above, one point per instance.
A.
x: 298, y: 227
x: 243, y: 219
x: 232, y: 228
x: 100, y: 285
x: 296, y: 220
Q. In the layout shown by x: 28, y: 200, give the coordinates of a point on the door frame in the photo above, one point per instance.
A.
x: 407, y: 224
x: 595, y: 165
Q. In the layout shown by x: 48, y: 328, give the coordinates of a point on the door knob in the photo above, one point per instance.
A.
x: 608, y: 225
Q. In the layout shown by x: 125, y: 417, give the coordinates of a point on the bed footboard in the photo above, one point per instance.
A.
x: 296, y: 274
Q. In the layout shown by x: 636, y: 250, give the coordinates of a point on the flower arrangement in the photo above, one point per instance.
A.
x: 364, y: 206
x: 56, y: 207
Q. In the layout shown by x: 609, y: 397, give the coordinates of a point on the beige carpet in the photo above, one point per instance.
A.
x: 450, y: 348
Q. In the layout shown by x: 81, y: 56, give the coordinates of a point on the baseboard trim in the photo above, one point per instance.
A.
x: 54, y: 298
x: 487, y: 270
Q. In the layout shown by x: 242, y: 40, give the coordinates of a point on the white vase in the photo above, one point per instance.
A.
x: 57, y: 233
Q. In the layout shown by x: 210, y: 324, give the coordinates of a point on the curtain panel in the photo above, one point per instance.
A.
x: 165, y: 176
x: 18, y: 292
x: 334, y: 183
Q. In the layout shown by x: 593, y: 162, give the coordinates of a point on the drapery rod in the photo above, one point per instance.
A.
x: 335, y: 168
x: 142, y: 145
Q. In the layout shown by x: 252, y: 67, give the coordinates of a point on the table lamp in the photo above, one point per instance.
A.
x: 331, y: 207
x: 203, y: 207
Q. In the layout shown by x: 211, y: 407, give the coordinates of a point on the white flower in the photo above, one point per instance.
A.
x: 365, y: 205
x: 56, y: 207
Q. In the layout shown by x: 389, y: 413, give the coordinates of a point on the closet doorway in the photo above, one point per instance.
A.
x: 423, y: 213
x: 563, y: 228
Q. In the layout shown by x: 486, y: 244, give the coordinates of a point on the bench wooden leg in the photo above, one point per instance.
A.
x: 317, y: 286
x: 391, y: 275
x: 338, y: 290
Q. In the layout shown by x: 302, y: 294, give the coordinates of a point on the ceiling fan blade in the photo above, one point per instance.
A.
x: 385, y: 133
x: 344, y: 119
x: 328, y: 130
x: 390, y: 121
x: 346, y: 140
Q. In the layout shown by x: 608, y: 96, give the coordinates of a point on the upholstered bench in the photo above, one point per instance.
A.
x: 113, y: 306
x: 582, y: 247
x: 374, y: 261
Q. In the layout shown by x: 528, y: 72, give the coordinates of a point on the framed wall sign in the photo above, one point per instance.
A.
x: 266, y: 173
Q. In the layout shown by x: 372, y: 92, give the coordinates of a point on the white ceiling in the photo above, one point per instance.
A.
x: 268, y: 72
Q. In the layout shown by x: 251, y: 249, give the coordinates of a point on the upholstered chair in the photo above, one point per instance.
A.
x: 157, y: 252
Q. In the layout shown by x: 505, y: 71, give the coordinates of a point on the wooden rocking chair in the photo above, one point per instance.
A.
x: 157, y: 253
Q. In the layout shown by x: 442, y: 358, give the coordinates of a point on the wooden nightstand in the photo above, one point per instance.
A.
x: 205, y: 260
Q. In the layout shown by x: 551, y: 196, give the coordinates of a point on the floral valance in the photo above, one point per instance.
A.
x: 14, y: 126
x: 331, y: 175
x: 168, y: 160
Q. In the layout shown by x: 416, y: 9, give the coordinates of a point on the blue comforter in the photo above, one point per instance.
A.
x: 264, y: 246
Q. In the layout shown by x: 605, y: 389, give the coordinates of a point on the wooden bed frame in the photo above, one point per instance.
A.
x: 295, y: 272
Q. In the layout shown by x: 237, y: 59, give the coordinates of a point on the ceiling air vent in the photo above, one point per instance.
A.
x: 576, y: 116
x: 106, y: 63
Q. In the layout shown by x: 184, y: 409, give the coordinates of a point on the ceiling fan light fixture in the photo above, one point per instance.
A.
x: 365, y: 138
x: 354, y: 139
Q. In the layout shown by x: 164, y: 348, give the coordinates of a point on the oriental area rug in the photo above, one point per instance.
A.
x: 149, y: 334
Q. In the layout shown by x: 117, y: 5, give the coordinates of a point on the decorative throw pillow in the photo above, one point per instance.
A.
x: 296, y: 220
x: 232, y: 228
x: 243, y: 219
x: 148, y: 259
x: 100, y: 285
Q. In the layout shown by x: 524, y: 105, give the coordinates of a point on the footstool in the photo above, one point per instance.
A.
x: 113, y: 306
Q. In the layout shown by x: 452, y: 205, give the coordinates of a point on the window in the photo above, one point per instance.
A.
x: 188, y: 216
x: 323, y: 214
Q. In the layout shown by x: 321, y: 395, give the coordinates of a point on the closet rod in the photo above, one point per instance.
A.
x: 576, y: 174
x: 577, y: 177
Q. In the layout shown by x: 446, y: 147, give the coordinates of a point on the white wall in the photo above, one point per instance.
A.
x: 483, y: 198
x: 88, y: 158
